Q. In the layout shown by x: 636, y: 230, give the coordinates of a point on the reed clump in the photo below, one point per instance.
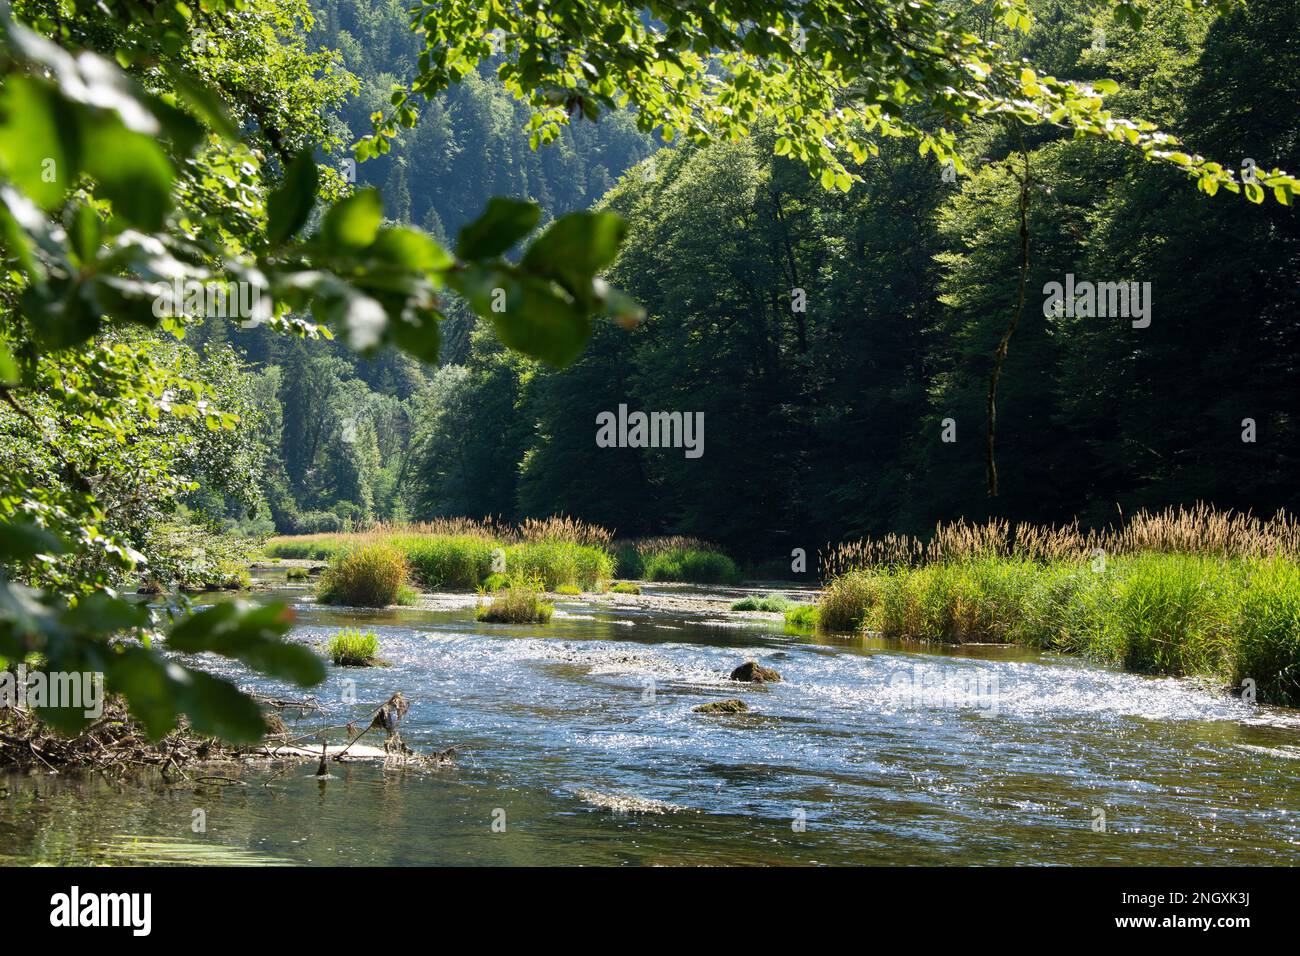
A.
x: 519, y: 602
x: 463, y: 553
x: 375, y: 575
x: 1194, y: 592
x: 352, y: 647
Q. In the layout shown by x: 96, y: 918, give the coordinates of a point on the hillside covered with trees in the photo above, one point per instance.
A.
x: 838, y: 344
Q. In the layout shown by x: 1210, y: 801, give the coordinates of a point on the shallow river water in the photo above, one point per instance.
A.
x: 867, y: 752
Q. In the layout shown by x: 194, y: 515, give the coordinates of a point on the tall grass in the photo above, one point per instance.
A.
x: 461, y: 553
x: 371, y: 576
x: 692, y: 565
x: 1159, y: 613
x: 1268, y: 632
x: 674, y: 558
x: 1199, y: 530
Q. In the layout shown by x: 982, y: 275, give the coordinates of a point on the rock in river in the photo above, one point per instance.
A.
x: 731, y: 706
x: 753, y: 672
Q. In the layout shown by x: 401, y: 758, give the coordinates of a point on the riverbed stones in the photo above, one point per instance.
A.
x: 752, y: 672
x: 731, y: 706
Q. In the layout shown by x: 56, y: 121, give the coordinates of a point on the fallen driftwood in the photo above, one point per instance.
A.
x: 116, y: 743
x: 337, y: 752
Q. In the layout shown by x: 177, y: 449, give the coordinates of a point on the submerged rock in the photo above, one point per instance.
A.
x: 621, y: 803
x: 731, y: 706
x: 752, y: 672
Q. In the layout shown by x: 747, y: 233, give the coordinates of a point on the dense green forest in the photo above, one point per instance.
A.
x: 839, y: 345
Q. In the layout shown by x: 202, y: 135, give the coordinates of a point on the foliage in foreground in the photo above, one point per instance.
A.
x: 137, y: 158
x: 832, y: 76
x: 519, y: 602
x: 352, y: 647
x: 372, y: 576
x: 1228, y: 618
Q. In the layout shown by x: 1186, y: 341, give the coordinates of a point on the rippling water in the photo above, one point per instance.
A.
x: 867, y: 752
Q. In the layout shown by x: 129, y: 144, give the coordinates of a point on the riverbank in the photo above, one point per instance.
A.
x: 1194, y: 593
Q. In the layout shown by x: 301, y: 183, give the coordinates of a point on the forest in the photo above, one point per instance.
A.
x: 838, y: 345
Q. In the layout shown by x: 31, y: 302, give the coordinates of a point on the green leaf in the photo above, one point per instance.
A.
x: 100, y: 613
x: 574, y: 248
x: 204, y: 101
x: 530, y: 315
x: 251, y: 635
x: 148, y: 682
x: 21, y: 540
x: 352, y: 224
x: 130, y: 170
x: 9, y: 368
x: 406, y: 248
x: 361, y: 317
x: 419, y: 334
x: 84, y: 233
x: 218, y: 708
x: 289, y: 206
x: 504, y: 223
x: 39, y: 140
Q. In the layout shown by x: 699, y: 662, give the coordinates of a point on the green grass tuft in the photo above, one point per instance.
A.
x: 801, y: 615
x: 773, y: 602
x: 353, y: 648
x: 692, y: 566
x: 372, y: 576
x: 519, y: 602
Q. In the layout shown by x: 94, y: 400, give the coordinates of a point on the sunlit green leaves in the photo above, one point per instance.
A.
x: 352, y: 224
x: 105, y: 209
x: 74, y: 115
x: 713, y: 71
x: 20, y: 540
x: 37, y: 152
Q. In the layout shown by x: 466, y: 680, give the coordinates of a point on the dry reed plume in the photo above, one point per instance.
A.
x: 1199, y: 530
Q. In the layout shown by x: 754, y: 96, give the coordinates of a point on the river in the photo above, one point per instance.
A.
x: 867, y: 752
